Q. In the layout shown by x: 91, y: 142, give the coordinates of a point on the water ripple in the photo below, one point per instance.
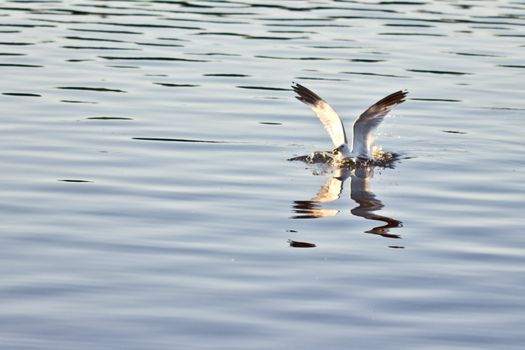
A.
x: 20, y: 65
x: 253, y: 87
x: 21, y: 94
x: 175, y: 140
x: 85, y: 88
x: 140, y: 58
x: 446, y: 72
x: 176, y: 85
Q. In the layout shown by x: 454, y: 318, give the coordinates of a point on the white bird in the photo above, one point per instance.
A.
x: 363, y: 129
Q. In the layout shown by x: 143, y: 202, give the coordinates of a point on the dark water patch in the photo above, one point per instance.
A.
x: 510, y: 35
x: 262, y: 88
x: 374, y: 9
x: 308, y: 25
x: 505, y: 108
x: 105, y: 5
x: 511, y: 66
x: 84, y: 88
x: 139, y: 58
x: 321, y: 8
x: 56, y: 21
x: 402, y: 3
x: 412, y: 34
x: 377, y: 74
x: 445, y: 72
x: 294, y: 58
x: 365, y: 60
x: 464, y: 6
x: 12, y: 43
x: 409, y: 25
x: 155, y: 75
x: 454, y: 132
x: 298, y: 9
x: 262, y: 37
x: 105, y: 31
x: 146, y: 25
x: 256, y: 37
x: 74, y: 180
x: 72, y: 47
x: 109, y: 118
x: 23, y: 9
x: 290, y: 19
x: 222, y: 22
x: 93, y: 39
x: 270, y: 123
x: 76, y: 101
x: 27, y: 25
x: 297, y: 244
x: 176, y: 85
x: 124, y: 67
x: 215, y: 54
x: 396, y: 247
x: 175, y: 140
x: 158, y: 44
x: 79, y: 60
x: 291, y: 32
x: 21, y: 94
x: 318, y: 78
x: 221, y: 34
x: 10, y: 31
x: 61, y: 11
x: 425, y: 20
x: 227, y: 75
x: 473, y: 54
x: 216, y: 14
x: 20, y: 65
x: 185, y: 4
x: 490, y: 27
x: 336, y: 47
x: 171, y: 39
x: 433, y: 99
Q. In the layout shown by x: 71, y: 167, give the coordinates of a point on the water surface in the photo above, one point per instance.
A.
x: 147, y: 200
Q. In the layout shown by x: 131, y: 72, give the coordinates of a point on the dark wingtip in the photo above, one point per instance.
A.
x: 394, y: 99
x: 404, y: 94
x: 305, y: 95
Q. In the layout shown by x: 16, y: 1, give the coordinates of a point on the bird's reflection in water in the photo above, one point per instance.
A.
x: 360, y: 192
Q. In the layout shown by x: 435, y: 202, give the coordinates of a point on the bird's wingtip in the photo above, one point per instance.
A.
x: 306, y: 95
x: 296, y: 86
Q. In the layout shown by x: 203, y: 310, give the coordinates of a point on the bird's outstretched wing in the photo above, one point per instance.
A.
x: 368, y: 122
x: 328, y: 116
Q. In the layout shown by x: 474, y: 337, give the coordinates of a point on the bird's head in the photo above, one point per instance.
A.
x: 343, y: 151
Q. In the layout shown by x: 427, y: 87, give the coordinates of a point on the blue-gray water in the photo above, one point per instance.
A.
x: 119, y: 232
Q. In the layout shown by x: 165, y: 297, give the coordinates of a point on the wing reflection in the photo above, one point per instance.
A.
x: 360, y: 192
x: 329, y: 192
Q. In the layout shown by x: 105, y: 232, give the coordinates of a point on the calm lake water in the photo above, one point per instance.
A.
x: 147, y: 201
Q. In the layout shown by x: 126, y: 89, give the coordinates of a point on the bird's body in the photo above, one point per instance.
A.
x: 364, y: 127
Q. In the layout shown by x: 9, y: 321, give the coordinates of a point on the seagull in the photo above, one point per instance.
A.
x: 363, y: 129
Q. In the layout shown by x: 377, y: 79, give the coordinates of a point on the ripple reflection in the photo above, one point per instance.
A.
x: 360, y: 192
